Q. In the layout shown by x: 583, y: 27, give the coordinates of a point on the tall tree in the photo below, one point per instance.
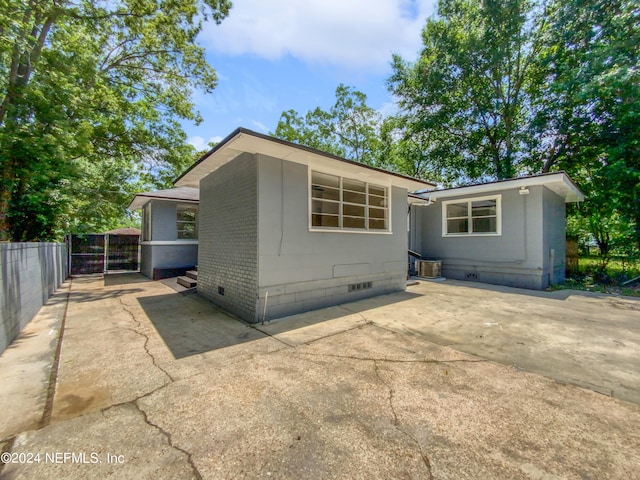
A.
x: 349, y: 128
x: 93, y: 90
x: 588, y: 107
x: 468, y: 87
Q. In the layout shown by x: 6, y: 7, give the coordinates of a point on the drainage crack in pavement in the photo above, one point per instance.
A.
x: 169, y: 438
x: 393, y: 360
x: 146, y: 339
x: 53, y: 374
x: 396, y: 421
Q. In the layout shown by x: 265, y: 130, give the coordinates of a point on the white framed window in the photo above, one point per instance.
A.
x: 473, y: 216
x: 187, y: 221
x: 346, y: 204
x: 146, y: 222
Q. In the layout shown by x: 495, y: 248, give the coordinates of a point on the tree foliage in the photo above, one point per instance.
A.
x: 469, y: 86
x: 348, y: 129
x: 588, y: 108
x: 91, y: 94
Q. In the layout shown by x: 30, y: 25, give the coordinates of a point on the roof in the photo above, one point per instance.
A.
x: 183, y: 194
x: 558, y: 182
x: 124, y: 231
x: 242, y: 140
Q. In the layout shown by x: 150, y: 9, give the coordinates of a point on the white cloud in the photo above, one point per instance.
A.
x: 200, y: 143
x: 356, y: 34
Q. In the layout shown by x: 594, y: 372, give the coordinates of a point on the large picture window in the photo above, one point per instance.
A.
x: 347, y: 204
x: 475, y: 216
x: 187, y: 217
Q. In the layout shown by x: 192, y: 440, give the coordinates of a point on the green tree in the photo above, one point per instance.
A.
x: 588, y: 108
x: 468, y: 87
x: 91, y: 95
x: 349, y: 129
x: 409, y: 151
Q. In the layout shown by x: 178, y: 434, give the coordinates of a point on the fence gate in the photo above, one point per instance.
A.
x: 101, y: 253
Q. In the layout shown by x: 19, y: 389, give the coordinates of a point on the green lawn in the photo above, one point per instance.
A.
x: 593, y: 276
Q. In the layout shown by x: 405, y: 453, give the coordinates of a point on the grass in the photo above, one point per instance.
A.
x: 596, y: 276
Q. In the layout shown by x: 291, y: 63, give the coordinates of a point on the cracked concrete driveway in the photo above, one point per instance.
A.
x: 446, y: 381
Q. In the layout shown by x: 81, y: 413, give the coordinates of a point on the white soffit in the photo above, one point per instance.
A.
x: 187, y: 195
x: 244, y: 141
x: 559, y: 183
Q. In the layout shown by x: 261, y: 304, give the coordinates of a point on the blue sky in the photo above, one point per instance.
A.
x: 276, y: 55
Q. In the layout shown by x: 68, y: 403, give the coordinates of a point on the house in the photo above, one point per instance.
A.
x: 277, y: 228
x: 169, y: 243
x: 283, y: 228
x: 510, y: 232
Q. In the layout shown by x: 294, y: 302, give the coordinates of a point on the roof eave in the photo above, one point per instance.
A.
x: 224, y: 153
x: 559, y: 182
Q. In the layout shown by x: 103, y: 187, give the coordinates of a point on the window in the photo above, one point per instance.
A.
x: 146, y: 222
x: 348, y: 204
x: 187, y: 216
x: 476, y: 216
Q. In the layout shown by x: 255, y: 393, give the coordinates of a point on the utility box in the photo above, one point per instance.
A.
x: 429, y: 268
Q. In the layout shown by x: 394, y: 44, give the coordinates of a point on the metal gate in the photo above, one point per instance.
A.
x: 101, y: 253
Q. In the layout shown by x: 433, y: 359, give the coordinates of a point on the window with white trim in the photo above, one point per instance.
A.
x: 187, y: 217
x: 339, y: 203
x: 474, y: 216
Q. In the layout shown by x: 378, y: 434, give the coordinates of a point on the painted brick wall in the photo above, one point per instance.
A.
x: 228, y: 237
x: 29, y: 274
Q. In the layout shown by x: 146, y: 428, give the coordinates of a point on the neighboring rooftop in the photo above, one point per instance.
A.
x: 124, y: 231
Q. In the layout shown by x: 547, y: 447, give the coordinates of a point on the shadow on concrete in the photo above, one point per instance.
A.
x: 96, y: 296
x: 190, y: 324
x: 124, y: 278
x: 325, y: 315
x: 549, y: 294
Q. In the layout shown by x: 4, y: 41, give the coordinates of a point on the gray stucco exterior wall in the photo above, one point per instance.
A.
x: 228, y: 237
x: 555, y: 242
x: 531, y: 225
x: 170, y: 252
x: 29, y: 274
x: 303, y: 269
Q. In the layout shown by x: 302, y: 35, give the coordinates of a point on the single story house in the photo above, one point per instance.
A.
x: 510, y: 232
x: 277, y: 228
x: 169, y: 242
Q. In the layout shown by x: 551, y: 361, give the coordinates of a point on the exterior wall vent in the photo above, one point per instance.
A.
x: 360, y: 286
x: 221, y: 290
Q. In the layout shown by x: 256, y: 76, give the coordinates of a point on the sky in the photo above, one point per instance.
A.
x: 276, y: 55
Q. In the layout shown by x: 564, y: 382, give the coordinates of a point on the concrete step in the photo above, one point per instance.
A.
x: 187, y: 282
x: 192, y: 274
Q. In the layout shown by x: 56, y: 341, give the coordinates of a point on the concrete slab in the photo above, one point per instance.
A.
x: 582, y: 338
x: 169, y: 386
x: 25, y: 367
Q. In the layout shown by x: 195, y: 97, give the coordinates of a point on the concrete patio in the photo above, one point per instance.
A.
x: 445, y: 381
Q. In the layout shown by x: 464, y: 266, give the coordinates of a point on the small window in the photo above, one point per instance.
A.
x: 187, y: 217
x: 476, y: 216
x: 348, y: 204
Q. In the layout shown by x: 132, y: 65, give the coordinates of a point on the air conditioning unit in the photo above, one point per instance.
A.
x: 429, y: 268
